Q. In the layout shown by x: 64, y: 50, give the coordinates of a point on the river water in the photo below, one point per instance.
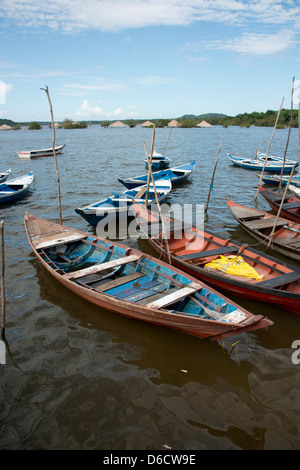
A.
x: 78, y: 377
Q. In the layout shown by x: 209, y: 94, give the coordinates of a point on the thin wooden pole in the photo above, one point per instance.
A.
x: 289, y: 133
x: 262, y: 173
x: 279, y: 210
x: 54, y: 153
x: 157, y: 202
x: 3, y: 314
x: 167, y: 141
x: 150, y: 166
x: 212, y: 178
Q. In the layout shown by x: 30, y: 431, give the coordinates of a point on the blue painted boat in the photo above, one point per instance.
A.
x: 118, y: 205
x: 16, y: 188
x: 175, y: 175
x: 127, y: 282
x: 275, y: 179
x: 273, y: 158
x: 252, y: 164
x: 159, y: 162
x: 4, y: 175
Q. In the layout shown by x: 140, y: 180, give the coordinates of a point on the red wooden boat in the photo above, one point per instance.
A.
x: 130, y: 283
x: 290, y: 207
x: 192, y: 250
x: 285, y: 238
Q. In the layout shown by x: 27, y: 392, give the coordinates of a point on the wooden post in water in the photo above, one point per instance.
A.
x: 167, y: 141
x: 150, y: 166
x: 3, y: 313
x: 279, y: 210
x: 262, y: 173
x: 150, y: 176
x: 54, y: 153
x: 288, y: 138
x: 212, y: 178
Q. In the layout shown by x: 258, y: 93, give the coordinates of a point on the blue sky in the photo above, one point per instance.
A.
x: 143, y: 59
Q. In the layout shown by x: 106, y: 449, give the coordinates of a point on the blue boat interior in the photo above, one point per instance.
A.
x: 140, y: 282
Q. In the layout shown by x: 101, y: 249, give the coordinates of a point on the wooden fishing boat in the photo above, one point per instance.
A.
x: 193, y: 250
x: 16, y: 188
x: 127, y: 282
x: 41, y: 152
x: 275, y: 179
x: 175, y: 175
x: 290, y: 207
x: 116, y: 206
x: 286, y: 235
x: 4, y: 175
x: 273, y: 158
x: 159, y: 161
x: 252, y: 164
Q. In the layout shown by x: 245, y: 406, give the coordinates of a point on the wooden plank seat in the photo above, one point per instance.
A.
x: 156, y: 228
x: 291, y: 205
x: 171, y: 298
x: 107, y: 284
x: 102, y: 267
x: 204, y: 254
x: 281, y: 280
x: 141, y: 291
x: 264, y: 223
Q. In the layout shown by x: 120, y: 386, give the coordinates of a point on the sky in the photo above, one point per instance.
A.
x: 147, y: 59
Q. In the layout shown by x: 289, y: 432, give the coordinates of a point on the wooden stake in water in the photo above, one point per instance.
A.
x: 54, y: 153
x: 213, y: 176
x: 262, y: 173
x: 3, y: 313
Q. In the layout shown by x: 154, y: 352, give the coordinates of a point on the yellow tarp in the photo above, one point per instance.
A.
x: 234, y: 265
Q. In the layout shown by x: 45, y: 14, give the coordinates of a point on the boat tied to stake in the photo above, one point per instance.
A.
x: 130, y: 283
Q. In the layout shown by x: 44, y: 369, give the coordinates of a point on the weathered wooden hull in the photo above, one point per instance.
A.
x: 267, y: 290
x: 290, y: 208
x: 286, y: 236
x: 189, y: 324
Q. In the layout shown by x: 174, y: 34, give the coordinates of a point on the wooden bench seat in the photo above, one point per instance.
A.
x: 264, y: 223
x: 171, y: 298
x: 281, y: 280
x: 107, y: 284
x: 102, y: 267
x: 205, y: 254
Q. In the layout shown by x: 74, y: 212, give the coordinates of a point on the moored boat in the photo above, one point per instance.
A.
x: 127, y: 282
x: 159, y: 161
x: 41, y: 152
x: 291, y: 205
x: 175, y: 175
x: 119, y: 205
x: 222, y: 263
x: 261, y: 225
x: 4, y: 175
x: 258, y: 164
x: 15, y: 188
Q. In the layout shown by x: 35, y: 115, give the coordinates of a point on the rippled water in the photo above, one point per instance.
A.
x: 77, y: 377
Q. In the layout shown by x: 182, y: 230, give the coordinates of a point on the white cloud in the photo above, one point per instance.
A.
x: 256, y: 44
x: 87, y: 111
x: 116, y: 15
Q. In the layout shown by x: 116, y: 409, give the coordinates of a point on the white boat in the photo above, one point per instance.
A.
x: 41, y: 152
x: 16, y: 188
x: 4, y: 175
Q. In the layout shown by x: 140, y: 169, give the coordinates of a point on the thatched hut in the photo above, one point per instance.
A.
x: 117, y: 124
x: 173, y: 123
x: 204, y: 124
x: 147, y: 124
